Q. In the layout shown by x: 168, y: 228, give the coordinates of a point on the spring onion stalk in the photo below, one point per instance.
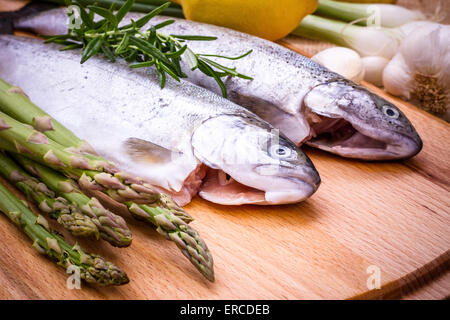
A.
x: 367, y: 41
x: 385, y: 15
x: 144, y: 6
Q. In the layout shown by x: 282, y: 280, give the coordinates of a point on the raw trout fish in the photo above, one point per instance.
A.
x: 306, y: 101
x: 183, y: 138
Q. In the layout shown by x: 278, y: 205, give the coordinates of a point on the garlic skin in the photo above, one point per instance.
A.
x: 421, y: 68
x: 408, y: 28
x: 344, y: 61
x: 374, y: 67
x: 397, y: 77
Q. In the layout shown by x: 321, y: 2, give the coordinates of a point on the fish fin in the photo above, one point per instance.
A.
x: 7, y: 18
x: 148, y: 152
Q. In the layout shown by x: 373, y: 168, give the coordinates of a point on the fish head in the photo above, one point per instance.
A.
x: 353, y: 122
x: 250, y: 162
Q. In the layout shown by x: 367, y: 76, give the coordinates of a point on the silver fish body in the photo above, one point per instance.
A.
x: 290, y: 91
x: 124, y: 114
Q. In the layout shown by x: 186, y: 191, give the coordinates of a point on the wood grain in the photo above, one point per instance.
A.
x: 11, y: 5
x: 393, y: 215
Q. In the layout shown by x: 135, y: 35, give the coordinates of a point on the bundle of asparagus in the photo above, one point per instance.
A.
x: 62, y: 200
x: 57, y: 208
x: 28, y: 131
x: 93, y: 268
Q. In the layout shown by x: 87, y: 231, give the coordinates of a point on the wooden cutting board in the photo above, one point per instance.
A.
x: 391, y: 216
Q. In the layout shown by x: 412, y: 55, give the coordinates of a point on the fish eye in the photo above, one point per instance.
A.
x: 280, y: 152
x: 391, y: 112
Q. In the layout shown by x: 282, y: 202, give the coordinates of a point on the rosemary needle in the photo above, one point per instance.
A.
x: 141, y: 48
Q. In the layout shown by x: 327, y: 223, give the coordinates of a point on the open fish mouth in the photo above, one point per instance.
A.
x: 340, y: 136
x: 221, y: 188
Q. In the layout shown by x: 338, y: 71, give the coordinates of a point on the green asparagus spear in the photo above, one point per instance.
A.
x: 68, y: 215
x: 16, y: 104
x: 112, y: 227
x: 30, y: 141
x: 94, y: 174
x: 173, y: 228
x: 93, y: 268
x: 38, y: 148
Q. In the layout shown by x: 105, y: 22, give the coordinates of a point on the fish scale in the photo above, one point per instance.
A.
x: 283, y: 79
x: 107, y: 104
x: 287, y: 90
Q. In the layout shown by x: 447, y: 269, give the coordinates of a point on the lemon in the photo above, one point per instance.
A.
x: 267, y: 19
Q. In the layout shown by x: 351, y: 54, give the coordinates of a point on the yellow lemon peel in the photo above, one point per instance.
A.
x: 262, y: 18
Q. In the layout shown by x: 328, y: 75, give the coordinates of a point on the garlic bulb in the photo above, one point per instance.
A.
x: 410, y: 27
x: 344, y: 61
x: 421, y: 67
x: 374, y: 67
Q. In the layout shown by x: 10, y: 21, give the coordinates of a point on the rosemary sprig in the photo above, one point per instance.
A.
x: 141, y: 48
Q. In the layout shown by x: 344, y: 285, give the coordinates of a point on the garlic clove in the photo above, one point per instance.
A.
x: 374, y: 67
x: 397, y: 77
x: 344, y: 61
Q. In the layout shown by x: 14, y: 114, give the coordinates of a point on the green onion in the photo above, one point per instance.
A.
x: 367, y: 41
x: 387, y: 15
